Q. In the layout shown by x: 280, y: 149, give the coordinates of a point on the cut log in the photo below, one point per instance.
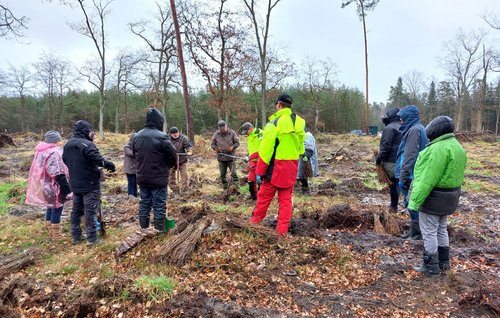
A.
x: 179, y: 248
x: 258, y: 228
x: 133, y: 240
x: 12, y: 264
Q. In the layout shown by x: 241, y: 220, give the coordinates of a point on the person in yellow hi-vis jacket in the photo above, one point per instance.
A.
x: 279, y: 152
x: 254, y: 138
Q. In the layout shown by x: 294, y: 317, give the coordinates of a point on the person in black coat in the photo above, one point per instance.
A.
x: 83, y: 160
x: 389, y: 144
x: 155, y: 155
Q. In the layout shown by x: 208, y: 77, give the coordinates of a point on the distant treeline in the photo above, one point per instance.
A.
x: 335, y: 110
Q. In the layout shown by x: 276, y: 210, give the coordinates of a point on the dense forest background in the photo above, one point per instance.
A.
x: 235, y: 75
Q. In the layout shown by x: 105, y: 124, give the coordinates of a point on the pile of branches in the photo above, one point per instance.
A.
x: 179, y: 248
x: 12, y: 264
x: 237, y: 222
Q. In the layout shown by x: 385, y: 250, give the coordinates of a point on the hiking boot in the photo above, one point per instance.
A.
x: 444, y: 258
x: 392, y: 209
x: 94, y: 243
x: 159, y: 225
x: 430, y: 265
x: 144, y: 223
x: 76, y: 241
x: 414, y: 233
x: 251, y: 189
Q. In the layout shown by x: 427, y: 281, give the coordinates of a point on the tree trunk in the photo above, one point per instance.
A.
x: 366, y: 63
x: 263, y: 99
x: 189, y: 118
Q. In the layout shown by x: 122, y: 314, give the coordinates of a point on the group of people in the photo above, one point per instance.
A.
x: 424, y: 164
x: 427, y: 166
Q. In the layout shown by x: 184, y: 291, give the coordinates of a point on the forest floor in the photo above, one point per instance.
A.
x: 337, y: 261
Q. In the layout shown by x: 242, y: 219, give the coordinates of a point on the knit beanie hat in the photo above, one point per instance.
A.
x: 52, y: 137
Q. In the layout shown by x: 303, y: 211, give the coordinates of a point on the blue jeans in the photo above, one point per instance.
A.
x: 132, y: 184
x: 85, y: 204
x: 155, y: 198
x: 53, y: 215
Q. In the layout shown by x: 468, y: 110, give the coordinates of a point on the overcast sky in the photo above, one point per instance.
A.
x: 403, y: 35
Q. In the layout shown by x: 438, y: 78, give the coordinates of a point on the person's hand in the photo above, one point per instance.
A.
x: 189, y: 153
x: 247, y: 159
x: 69, y: 196
x: 305, y: 159
x: 258, y: 179
x: 378, y: 161
x: 405, y: 185
x: 230, y: 149
x: 218, y: 149
x: 108, y: 165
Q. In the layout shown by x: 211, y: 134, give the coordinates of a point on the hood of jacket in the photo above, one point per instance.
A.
x: 82, y: 129
x: 154, y: 119
x: 439, y: 126
x: 390, y: 116
x: 44, y: 146
x: 410, y: 116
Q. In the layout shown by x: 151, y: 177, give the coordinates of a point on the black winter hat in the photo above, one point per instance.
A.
x: 439, y: 126
x: 174, y: 130
x: 285, y: 98
x: 244, y: 128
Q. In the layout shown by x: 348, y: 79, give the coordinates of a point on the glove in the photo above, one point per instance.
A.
x: 258, y: 179
x: 189, y: 153
x: 305, y: 159
x: 108, y: 165
x: 378, y: 161
x: 69, y: 196
x: 247, y: 159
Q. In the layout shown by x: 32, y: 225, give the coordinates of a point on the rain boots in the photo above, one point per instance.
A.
x: 56, y: 232
x: 251, y: 189
x: 430, y: 265
x: 444, y: 258
x: 159, y: 224
x: 144, y: 223
x: 48, y: 226
x: 414, y: 232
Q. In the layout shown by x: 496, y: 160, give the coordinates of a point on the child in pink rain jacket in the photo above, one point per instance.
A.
x: 48, y: 182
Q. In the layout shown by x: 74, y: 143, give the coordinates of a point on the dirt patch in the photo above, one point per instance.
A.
x: 201, y: 305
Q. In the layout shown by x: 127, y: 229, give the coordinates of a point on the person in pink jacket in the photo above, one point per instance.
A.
x: 48, y: 182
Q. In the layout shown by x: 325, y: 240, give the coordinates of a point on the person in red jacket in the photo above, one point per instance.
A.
x: 279, y: 153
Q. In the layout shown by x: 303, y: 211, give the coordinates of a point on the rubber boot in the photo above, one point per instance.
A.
x: 144, y: 223
x: 48, y: 226
x: 159, y: 224
x: 305, y: 191
x: 251, y: 189
x: 416, y: 234
x: 56, y: 232
x: 430, y: 265
x: 444, y: 258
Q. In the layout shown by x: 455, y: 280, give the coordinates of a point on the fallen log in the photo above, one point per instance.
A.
x: 6, y: 140
x: 190, y: 218
x: 179, y: 248
x: 133, y: 240
x: 14, y: 263
x: 252, y: 227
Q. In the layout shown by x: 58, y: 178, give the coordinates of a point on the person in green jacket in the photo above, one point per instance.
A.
x: 438, y: 175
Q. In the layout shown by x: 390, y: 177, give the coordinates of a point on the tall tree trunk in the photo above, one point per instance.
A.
x: 189, y: 118
x: 366, y: 63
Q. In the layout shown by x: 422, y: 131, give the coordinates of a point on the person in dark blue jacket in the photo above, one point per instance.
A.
x: 155, y: 155
x: 389, y: 144
x: 413, y: 141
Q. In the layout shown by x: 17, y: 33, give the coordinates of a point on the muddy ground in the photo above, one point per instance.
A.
x: 338, y: 261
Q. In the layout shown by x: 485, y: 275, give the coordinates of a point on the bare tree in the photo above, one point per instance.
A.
x: 488, y: 58
x: 462, y: 63
x: 93, y: 27
x: 261, y: 30
x: 11, y: 25
x: 18, y: 79
x: 362, y: 7
x: 215, y: 42
x: 318, y: 78
x: 159, y: 36
x: 180, y: 54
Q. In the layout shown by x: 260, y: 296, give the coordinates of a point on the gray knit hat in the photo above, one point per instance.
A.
x: 52, y: 137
